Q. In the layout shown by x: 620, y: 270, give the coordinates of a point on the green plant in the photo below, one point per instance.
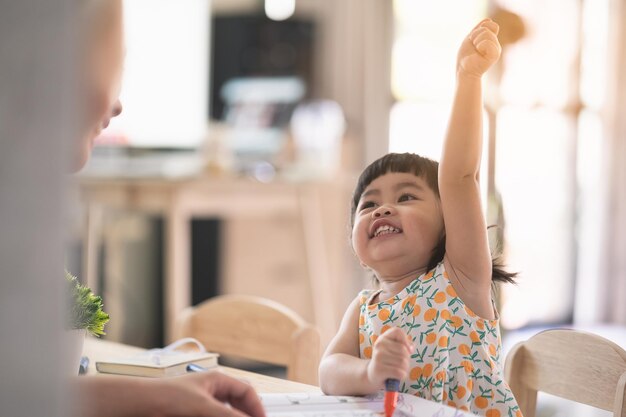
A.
x: 85, y: 308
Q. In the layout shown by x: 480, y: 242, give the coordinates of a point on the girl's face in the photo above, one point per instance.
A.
x: 398, y: 222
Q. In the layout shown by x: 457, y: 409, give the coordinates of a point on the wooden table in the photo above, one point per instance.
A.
x: 96, y: 349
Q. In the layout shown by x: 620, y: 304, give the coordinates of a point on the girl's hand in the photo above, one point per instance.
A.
x: 390, y: 357
x: 480, y: 50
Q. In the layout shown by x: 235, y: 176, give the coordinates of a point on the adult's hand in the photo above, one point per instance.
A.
x: 209, y: 394
x: 203, y: 394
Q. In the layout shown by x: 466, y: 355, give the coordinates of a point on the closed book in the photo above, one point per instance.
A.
x: 160, y: 362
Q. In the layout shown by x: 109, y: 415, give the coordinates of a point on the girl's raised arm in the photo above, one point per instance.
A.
x: 467, y: 247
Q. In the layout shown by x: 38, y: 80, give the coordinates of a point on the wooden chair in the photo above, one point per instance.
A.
x: 258, y: 329
x: 571, y: 364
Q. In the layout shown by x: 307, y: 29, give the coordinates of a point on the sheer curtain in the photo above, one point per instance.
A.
x: 612, y: 306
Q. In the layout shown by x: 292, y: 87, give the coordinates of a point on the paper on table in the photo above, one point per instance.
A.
x: 319, y: 405
x: 411, y: 406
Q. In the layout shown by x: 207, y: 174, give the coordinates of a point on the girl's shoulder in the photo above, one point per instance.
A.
x: 365, y: 296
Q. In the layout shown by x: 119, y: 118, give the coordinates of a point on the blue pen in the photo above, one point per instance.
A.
x: 392, y: 386
x: 192, y: 367
x: 84, y: 365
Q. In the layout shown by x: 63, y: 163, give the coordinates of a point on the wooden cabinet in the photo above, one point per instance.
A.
x: 267, y: 257
x: 284, y: 241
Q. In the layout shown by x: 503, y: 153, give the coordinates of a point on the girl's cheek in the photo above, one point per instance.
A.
x: 354, y: 238
x: 357, y: 234
x: 360, y: 238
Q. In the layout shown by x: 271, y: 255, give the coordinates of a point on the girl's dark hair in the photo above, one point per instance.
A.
x: 428, y: 170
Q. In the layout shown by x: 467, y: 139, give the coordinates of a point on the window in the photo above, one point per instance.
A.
x: 545, y: 100
x: 164, y: 91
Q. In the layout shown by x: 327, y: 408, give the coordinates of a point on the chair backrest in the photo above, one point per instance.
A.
x: 571, y: 364
x: 255, y: 328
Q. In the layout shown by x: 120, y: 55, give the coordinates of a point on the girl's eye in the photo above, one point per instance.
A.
x: 406, y: 197
x: 366, y: 205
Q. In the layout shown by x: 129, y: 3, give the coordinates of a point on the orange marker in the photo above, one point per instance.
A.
x: 392, y: 386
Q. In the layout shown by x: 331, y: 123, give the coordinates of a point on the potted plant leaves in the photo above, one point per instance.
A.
x: 85, y: 316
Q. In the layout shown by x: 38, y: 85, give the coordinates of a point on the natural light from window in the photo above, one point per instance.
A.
x: 544, y: 99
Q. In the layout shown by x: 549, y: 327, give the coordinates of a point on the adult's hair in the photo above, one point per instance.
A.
x: 428, y: 170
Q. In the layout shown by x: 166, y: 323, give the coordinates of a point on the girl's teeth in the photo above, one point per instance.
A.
x: 384, y: 230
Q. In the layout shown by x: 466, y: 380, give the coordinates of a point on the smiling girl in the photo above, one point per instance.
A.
x: 419, y: 226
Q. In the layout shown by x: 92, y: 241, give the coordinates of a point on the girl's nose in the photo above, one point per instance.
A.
x: 382, y: 211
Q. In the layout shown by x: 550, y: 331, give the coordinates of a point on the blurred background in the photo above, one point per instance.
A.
x: 247, y: 122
